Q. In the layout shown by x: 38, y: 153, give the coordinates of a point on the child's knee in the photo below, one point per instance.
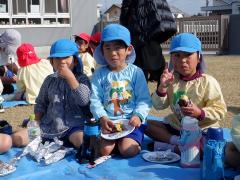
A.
x: 129, y: 151
x: 5, y: 143
x: 76, y: 139
x: 20, y: 138
x: 105, y: 151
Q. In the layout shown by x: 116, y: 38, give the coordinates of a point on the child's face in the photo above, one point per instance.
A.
x: 115, y: 52
x: 57, y: 63
x: 185, y: 63
x: 83, y: 45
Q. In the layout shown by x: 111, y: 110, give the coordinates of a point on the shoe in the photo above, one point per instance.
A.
x: 5, y: 127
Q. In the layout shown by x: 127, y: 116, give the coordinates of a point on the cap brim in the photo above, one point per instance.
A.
x: 100, y: 59
x: 183, y: 49
x: 60, y: 55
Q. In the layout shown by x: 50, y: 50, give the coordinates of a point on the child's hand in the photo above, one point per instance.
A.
x: 65, y: 72
x: 191, y: 110
x: 14, y: 78
x: 106, y: 125
x: 135, y: 121
x: 166, y: 77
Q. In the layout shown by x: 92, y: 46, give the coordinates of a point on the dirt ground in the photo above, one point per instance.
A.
x: 226, y: 69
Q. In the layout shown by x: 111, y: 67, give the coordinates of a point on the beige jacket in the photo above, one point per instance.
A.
x: 205, y: 92
x: 88, y: 63
x: 31, y: 77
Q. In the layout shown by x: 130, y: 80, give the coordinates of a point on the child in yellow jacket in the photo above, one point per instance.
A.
x: 188, y: 83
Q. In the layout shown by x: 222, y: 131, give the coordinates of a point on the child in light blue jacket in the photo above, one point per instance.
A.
x: 119, y: 90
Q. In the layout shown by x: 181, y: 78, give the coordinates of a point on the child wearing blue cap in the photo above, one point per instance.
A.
x: 187, y: 90
x: 63, y: 101
x: 120, y: 90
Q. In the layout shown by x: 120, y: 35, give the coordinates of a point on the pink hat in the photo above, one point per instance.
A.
x: 84, y: 36
x: 96, y: 38
x: 26, y: 55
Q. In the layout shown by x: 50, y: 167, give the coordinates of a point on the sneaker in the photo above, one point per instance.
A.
x: 2, y: 110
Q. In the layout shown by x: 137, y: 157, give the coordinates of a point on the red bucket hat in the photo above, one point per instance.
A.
x: 84, y: 36
x: 26, y: 55
x: 96, y: 38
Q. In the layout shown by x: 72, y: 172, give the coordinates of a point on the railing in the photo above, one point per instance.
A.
x: 211, y: 30
x: 206, y: 28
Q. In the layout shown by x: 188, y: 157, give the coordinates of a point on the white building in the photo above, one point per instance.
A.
x: 220, y: 7
x: 41, y: 22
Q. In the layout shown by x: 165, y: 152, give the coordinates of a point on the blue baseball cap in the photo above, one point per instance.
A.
x: 64, y: 48
x: 186, y: 42
x: 114, y: 32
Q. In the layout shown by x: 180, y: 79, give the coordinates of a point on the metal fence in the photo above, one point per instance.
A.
x: 211, y: 30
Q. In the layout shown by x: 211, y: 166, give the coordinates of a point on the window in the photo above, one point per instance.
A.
x: 50, y: 6
x: 21, y: 13
x: 63, y: 6
x: 19, y: 6
x: 4, y: 21
x: 33, y: 6
x: 3, y: 6
x: 63, y: 21
x: 19, y: 21
x: 34, y: 21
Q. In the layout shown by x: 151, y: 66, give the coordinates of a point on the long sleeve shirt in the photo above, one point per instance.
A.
x: 120, y: 94
x: 62, y: 107
x: 204, y: 91
x: 31, y: 77
x: 89, y: 64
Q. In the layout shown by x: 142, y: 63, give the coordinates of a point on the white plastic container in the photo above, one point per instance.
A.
x: 190, y: 139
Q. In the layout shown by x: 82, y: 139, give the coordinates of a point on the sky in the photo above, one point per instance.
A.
x: 191, y: 7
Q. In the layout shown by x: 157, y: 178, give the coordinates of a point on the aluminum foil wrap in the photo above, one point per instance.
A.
x: 47, y: 152
x: 50, y: 152
x: 6, y: 168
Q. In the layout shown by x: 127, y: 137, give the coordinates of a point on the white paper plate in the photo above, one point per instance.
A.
x: 158, y: 157
x: 118, y: 135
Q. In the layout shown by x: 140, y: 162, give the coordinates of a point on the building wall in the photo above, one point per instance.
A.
x: 83, y: 16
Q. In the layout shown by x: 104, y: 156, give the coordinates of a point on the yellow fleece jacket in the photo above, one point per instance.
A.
x: 205, y: 92
x: 31, y: 77
x: 88, y: 63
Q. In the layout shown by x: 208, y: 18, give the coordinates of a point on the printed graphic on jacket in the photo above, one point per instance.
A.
x: 120, y: 93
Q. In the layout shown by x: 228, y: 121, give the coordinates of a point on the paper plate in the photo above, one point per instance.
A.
x: 161, y: 157
x: 117, y: 135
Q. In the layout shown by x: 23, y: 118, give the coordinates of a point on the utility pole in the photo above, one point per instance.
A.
x: 207, y: 3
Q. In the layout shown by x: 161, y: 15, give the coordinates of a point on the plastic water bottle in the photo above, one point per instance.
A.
x: 213, y: 163
x: 33, y: 128
x: 190, y: 141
